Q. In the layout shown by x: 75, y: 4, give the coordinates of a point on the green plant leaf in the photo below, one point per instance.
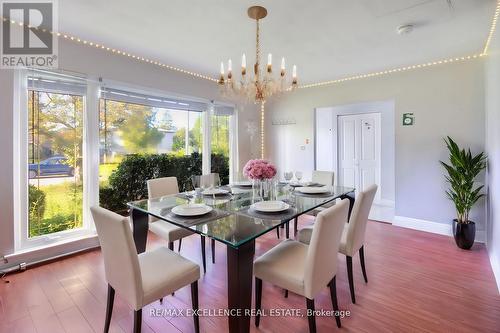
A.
x: 461, y: 171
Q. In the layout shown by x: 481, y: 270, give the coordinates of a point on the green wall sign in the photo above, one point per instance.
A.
x: 408, y: 119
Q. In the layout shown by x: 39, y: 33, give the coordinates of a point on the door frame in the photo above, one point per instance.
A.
x: 378, y: 143
x: 386, y: 108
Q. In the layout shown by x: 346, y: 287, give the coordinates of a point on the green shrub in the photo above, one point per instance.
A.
x: 128, y: 181
x: 36, y: 199
x: 56, y: 223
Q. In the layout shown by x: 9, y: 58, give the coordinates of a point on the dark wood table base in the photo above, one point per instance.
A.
x: 239, y: 285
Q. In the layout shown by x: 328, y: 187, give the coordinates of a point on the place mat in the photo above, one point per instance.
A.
x: 306, y: 184
x: 189, y: 196
x: 185, y: 195
x: 189, y: 221
x: 284, y: 215
x: 315, y: 195
x: 245, y: 187
x: 219, y: 196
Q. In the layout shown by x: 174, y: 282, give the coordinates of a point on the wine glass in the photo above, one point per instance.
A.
x: 298, y: 175
x: 288, y: 187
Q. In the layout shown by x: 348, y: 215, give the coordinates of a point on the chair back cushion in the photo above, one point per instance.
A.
x: 160, y: 187
x: 209, y: 180
x: 120, y: 255
x: 323, y: 177
x: 355, y: 237
x: 321, y: 262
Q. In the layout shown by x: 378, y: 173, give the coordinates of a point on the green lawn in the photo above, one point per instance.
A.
x: 63, y: 205
x: 63, y: 209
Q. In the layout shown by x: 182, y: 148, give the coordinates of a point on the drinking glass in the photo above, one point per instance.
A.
x: 288, y: 176
x: 298, y: 175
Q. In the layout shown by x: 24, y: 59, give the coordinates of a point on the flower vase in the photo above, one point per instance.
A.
x: 262, y: 189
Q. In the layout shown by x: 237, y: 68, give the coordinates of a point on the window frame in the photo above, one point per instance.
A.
x: 21, y: 124
x: 90, y: 155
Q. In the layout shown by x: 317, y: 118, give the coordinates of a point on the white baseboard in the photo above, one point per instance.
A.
x: 432, y: 227
x: 495, y: 266
x: 38, y: 254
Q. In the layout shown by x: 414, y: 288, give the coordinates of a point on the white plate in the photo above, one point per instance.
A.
x: 243, y: 184
x: 191, y: 209
x: 313, y: 184
x: 270, y: 206
x: 215, y: 191
x: 313, y: 190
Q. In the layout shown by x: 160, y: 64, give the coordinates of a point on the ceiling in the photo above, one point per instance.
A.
x: 327, y: 39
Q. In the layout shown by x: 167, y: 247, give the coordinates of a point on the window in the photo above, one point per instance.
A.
x: 220, y: 145
x: 68, y: 122
x: 130, y: 128
x: 55, y: 174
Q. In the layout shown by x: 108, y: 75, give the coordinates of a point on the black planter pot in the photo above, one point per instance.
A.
x: 464, y: 234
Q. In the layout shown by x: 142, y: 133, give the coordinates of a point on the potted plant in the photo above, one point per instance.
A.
x: 461, y: 172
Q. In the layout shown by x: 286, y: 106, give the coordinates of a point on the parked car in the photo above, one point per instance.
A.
x: 52, y: 166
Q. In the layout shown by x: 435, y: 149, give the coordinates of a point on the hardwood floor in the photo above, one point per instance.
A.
x: 418, y: 282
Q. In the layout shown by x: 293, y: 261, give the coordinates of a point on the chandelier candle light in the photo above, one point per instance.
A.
x: 260, y: 87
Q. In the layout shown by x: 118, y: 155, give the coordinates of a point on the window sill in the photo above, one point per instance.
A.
x: 40, y: 253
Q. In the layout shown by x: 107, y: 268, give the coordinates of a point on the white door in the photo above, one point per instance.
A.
x: 359, y: 141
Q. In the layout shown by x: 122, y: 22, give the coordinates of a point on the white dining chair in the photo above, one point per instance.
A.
x: 144, y: 278
x: 305, y: 269
x: 167, y: 186
x: 206, y: 181
x: 326, y: 178
x: 353, y: 235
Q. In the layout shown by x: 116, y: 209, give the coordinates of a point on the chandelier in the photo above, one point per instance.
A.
x: 262, y: 85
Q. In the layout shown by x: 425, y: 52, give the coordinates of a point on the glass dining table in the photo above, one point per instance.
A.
x: 235, y: 223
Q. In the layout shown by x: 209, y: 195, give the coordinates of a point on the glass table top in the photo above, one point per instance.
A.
x: 232, y: 220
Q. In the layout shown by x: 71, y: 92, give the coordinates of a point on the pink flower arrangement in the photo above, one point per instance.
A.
x: 259, y: 169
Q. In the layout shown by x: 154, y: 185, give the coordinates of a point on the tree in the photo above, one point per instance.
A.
x: 179, y: 140
x: 220, y: 135
x: 56, y: 127
x: 134, y: 123
x: 138, y: 135
x: 162, y: 119
x: 195, y: 136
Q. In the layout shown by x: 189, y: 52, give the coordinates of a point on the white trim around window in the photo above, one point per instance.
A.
x: 84, y: 237
x: 22, y: 241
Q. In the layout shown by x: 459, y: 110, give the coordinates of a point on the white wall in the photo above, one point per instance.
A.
x: 492, y: 78
x: 97, y: 63
x: 387, y: 156
x: 446, y: 100
x: 6, y: 168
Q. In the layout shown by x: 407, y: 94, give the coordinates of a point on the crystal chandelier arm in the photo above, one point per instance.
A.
x: 263, y: 84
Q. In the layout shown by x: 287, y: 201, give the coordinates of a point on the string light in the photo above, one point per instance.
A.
x: 492, y: 29
x: 262, y: 116
x: 390, y: 71
x: 311, y: 85
x: 123, y: 53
